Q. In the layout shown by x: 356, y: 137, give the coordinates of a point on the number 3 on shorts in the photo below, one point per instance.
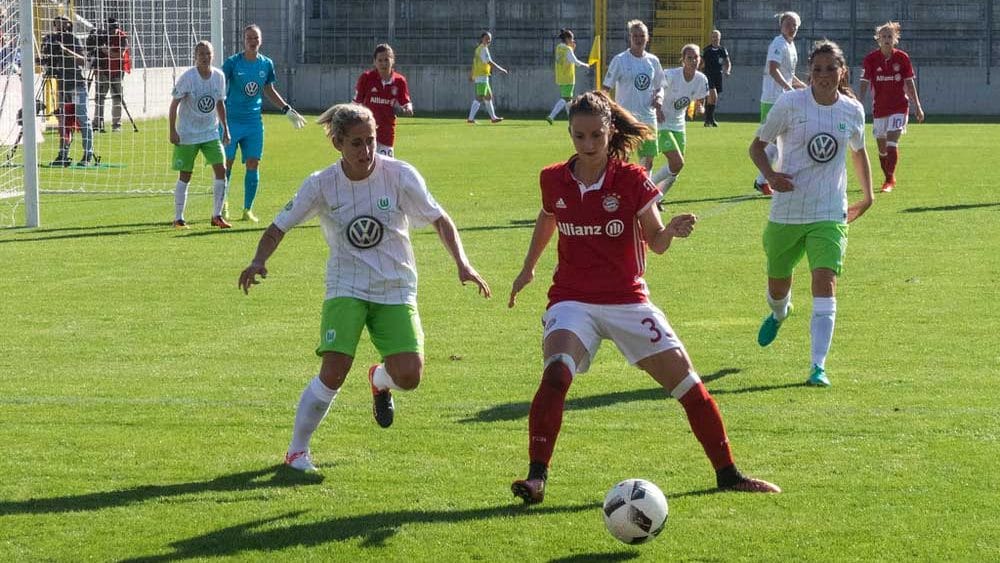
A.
x: 651, y: 325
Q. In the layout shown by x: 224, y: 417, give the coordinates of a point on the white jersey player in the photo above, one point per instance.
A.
x: 815, y: 129
x: 366, y: 204
x: 635, y: 76
x: 779, y: 77
x: 681, y: 87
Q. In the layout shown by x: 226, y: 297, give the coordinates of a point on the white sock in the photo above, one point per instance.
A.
x: 473, y: 110
x: 219, y: 193
x: 666, y: 176
x: 557, y: 108
x: 313, y: 405
x: 771, y: 150
x: 382, y: 380
x: 821, y: 328
x: 779, y: 306
x: 489, y: 108
x: 180, y: 199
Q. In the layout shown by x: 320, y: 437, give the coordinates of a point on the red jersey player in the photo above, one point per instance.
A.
x: 604, y: 210
x: 889, y: 73
x: 382, y: 90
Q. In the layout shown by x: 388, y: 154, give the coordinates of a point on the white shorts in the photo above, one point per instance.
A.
x: 881, y: 126
x: 640, y: 330
x: 384, y: 150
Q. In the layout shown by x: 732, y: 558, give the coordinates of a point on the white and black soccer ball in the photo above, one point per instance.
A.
x: 635, y: 511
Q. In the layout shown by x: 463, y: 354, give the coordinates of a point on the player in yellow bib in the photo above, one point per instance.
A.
x: 482, y: 66
x: 565, y: 66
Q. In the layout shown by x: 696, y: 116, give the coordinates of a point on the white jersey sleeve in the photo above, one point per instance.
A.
x: 784, y: 53
x: 415, y: 200
x: 776, y: 122
x: 304, y: 205
x: 614, y: 69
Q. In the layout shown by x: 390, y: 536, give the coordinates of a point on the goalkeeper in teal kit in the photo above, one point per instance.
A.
x: 249, y: 76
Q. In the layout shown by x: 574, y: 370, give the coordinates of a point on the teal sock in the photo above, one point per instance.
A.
x: 250, y: 182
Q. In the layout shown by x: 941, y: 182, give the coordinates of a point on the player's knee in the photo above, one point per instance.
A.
x: 559, y: 370
x: 405, y: 371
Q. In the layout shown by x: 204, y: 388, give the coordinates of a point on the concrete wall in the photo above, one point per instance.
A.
x: 942, y: 90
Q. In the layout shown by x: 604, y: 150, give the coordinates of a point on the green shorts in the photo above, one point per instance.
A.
x: 566, y: 90
x: 185, y: 155
x: 672, y: 141
x: 824, y: 243
x: 648, y: 148
x: 483, y: 90
x: 392, y: 328
x: 765, y: 108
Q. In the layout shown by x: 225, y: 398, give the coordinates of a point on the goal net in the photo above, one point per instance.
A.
x: 134, y: 51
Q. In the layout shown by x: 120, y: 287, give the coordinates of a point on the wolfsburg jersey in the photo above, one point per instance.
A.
x: 197, y: 120
x: 481, y: 64
x: 602, y: 254
x: 678, y: 93
x: 787, y: 57
x: 366, y: 224
x: 245, y: 81
x: 813, y: 141
x: 636, y: 81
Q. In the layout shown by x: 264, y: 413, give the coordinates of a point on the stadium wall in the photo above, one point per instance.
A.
x: 321, y: 46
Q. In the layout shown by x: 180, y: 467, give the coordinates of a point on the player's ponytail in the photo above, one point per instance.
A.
x: 341, y: 117
x: 825, y: 46
x: 565, y: 35
x: 627, y: 132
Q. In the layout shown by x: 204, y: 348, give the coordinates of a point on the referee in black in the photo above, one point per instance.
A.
x: 715, y: 62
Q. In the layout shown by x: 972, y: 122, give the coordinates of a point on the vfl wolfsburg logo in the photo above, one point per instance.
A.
x: 681, y: 103
x: 364, y: 232
x: 251, y: 89
x: 206, y: 104
x: 642, y: 82
x: 823, y: 147
x: 382, y: 203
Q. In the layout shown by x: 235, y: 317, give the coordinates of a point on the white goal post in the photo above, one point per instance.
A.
x: 43, y: 136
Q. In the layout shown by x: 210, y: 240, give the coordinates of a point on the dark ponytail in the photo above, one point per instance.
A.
x: 627, y: 132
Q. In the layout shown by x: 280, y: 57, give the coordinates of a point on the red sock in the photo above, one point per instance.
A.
x: 706, y: 423
x: 882, y: 162
x: 545, y: 417
x: 891, y: 158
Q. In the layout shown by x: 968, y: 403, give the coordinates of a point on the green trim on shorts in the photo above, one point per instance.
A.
x: 483, y: 89
x: 648, y: 148
x: 672, y: 141
x: 765, y: 108
x: 823, y: 242
x: 185, y: 155
x: 566, y: 90
x: 392, y: 328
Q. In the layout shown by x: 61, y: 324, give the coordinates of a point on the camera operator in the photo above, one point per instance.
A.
x: 63, y: 58
x: 106, y: 49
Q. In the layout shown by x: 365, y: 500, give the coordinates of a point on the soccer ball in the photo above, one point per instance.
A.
x: 635, y: 511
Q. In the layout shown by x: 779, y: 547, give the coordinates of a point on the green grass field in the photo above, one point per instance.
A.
x: 145, y: 403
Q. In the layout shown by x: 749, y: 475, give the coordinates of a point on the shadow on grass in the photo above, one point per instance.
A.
x: 726, y: 199
x: 958, y: 207
x: 269, y: 477
x: 372, y: 529
x: 519, y: 410
x: 597, y: 557
x: 160, y: 228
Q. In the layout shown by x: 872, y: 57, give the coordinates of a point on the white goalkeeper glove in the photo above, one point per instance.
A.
x: 297, y: 120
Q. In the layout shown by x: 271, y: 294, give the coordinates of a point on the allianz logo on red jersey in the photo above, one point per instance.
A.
x: 384, y: 101
x: 613, y: 228
x: 894, y: 78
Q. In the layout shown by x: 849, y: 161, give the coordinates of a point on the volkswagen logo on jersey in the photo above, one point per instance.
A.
x: 364, y: 232
x: 251, y: 89
x: 823, y: 147
x: 206, y: 104
x: 642, y: 82
x: 681, y: 103
x: 614, y: 228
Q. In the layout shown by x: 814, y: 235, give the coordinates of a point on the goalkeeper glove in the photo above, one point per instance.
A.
x: 297, y: 120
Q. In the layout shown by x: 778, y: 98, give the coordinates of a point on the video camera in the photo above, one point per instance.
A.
x: 100, y: 40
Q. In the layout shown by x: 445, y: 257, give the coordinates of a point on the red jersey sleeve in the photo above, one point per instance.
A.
x: 546, y: 179
x: 905, y: 67
x: 359, y: 90
x: 403, y: 96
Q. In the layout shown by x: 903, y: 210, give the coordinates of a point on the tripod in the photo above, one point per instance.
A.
x: 121, y: 99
